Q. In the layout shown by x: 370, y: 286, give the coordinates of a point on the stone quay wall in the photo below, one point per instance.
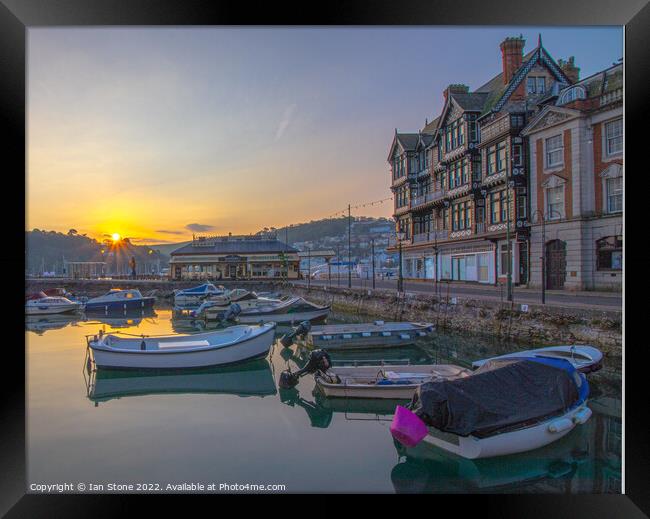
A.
x: 533, y: 323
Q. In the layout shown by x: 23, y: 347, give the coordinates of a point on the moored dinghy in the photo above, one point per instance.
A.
x: 386, y: 382
x: 47, y: 305
x: 196, y: 294
x: 585, y: 359
x: 505, y: 407
x: 289, y: 311
x: 215, y: 348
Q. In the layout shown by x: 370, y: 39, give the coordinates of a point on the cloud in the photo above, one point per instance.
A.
x: 284, y: 123
x: 165, y: 231
x: 199, y: 227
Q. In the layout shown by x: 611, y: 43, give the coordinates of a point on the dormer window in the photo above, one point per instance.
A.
x: 536, y: 84
x: 576, y: 92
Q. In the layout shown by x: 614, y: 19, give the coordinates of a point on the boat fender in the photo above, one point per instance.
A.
x: 560, y: 425
x: 143, y: 345
x: 582, y: 416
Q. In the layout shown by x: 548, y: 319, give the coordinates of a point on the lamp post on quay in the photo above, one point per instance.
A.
x: 539, y: 214
x: 400, y: 280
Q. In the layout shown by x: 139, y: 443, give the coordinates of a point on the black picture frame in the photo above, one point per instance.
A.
x: 16, y: 16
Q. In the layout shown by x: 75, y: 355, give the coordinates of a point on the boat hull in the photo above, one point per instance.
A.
x: 111, y: 306
x: 52, y: 309
x: 584, y: 358
x: 286, y: 318
x: 512, y: 442
x: 254, y: 347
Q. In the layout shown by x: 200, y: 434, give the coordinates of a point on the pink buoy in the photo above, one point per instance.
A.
x: 407, y: 428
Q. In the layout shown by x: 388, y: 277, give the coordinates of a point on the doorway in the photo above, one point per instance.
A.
x: 555, y: 264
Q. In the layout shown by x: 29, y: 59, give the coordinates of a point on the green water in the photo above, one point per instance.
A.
x: 233, y: 425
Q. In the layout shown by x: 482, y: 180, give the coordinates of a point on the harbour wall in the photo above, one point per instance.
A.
x: 533, y: 323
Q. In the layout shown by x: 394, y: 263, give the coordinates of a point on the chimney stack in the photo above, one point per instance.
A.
x: 455, y: 88
x: 569, y: 68
x: 512, y: 53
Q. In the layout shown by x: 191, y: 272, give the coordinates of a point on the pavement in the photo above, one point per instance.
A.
x: 599, y: 300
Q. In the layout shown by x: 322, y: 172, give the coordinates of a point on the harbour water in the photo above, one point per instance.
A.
x: 234, y: 426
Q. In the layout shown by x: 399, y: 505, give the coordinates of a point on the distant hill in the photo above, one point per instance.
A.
x: 167, y: 248
x: 316, y: 230
x: 48, y: 250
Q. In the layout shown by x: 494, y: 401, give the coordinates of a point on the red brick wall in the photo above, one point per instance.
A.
x: 599, y: 166
x: 564, y: 173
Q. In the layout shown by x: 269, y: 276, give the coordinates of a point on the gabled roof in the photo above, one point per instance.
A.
x: 497, y: 81
x: 539, y: 55
x: 408, y: 141
x: 472, y: 102
x: 431, y: 127
x: 558, y: 114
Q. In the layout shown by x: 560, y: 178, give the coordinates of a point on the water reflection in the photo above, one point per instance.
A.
x: 40, y: 324
x: 203, y: 429
x: 586, y: 460
x: 247, y: 379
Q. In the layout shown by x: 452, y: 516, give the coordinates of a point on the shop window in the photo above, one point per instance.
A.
x: 609, y: 253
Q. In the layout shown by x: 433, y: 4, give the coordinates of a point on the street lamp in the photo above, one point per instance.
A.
x: 543, y: 217
x: 400, y: 281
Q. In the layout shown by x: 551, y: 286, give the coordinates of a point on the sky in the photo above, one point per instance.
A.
x: 158, y: 133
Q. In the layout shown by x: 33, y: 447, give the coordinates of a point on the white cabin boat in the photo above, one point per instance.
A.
x: 118, y: 299
x: 214, y: 348
x: 51, y: 305
x: 386, y: 382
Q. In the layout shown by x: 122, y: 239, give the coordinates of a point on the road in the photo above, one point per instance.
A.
x: 604, y: 300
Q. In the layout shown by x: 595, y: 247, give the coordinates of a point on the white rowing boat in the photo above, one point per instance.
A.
x: 214, y: 348
x: 585, y: 359
x: 385, y: 382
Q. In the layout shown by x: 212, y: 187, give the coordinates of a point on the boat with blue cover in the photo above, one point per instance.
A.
x: 197, y: 293
x: 118, y: 299
x: 505, y: 407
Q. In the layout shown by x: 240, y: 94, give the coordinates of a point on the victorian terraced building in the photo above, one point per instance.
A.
x: 453, y: 179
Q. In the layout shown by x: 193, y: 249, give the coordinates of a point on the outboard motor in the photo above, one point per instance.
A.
x: 319, y: 360
x: 299, y: 331
x: 232, y: 312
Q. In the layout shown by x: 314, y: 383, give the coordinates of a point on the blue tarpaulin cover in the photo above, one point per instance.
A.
x: 500, y: 395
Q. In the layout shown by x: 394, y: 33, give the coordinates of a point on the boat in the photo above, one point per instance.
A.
x: 367, y: 335
x: 385, y: 382
x: 214, y: 307
x: 118, y: 299
x: 291, y: 311
x: 196, y: 294
x: 585, y: 359
x: 214, y: 348
x: 252, y: 378
x: 51, y: 305
x: 507, y: 406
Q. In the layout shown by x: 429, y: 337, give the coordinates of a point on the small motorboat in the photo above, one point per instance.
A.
x: 361, y: 335
x: 118, y: 299
x: 585, y: 359
x: 51, y: 305
x: 214, y: 307
x: 214, y: 348
x: 505, y: 407
x: 386, y: 382
x: 290, y: 311
x: 196, y: 294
